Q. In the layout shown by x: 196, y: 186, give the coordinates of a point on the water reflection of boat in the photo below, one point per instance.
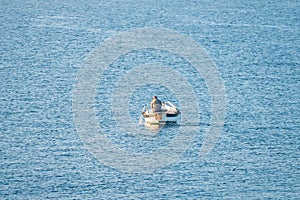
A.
x: 169, y: 114
x: 154, y: 127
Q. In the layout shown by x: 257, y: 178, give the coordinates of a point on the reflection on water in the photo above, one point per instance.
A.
x: 159, y: 126
x: 155, y: 127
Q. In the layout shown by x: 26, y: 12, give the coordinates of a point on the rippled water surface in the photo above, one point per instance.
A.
x: 255, y: 46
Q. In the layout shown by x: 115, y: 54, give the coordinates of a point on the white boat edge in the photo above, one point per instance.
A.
x: 169, y: 115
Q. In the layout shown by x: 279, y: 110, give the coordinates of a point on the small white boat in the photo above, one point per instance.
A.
x: 169, y: 114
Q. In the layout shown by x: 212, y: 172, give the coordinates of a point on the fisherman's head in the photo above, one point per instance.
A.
x: 154, y: 97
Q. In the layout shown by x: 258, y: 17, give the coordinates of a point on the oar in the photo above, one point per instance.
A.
x: 141, y: 117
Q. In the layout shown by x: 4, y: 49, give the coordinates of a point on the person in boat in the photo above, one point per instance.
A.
x: 155, y: 104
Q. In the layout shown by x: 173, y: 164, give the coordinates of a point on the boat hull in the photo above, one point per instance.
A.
x: 161, y: 118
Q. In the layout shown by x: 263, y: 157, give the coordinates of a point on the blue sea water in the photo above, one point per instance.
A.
x: 255, y: 46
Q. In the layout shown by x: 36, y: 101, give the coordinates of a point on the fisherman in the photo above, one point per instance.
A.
x: 155, y: 104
